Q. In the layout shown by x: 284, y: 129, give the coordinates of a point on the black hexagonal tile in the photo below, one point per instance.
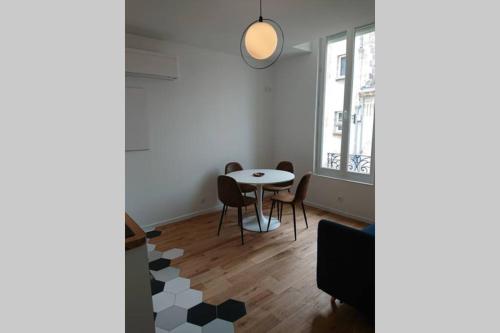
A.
x: 153, y: 234
x: 231, y: 310
x: 158, y: 264
x: 202, y: 314
x: 157, y: 286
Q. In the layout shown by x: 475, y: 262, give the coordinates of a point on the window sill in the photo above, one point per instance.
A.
x: 345, y: 179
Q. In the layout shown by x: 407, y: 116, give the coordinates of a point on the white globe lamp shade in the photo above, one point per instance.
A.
x: 262, y: 43
x: 261, y: 40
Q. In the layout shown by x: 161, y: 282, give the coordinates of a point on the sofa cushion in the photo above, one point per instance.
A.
x: 346, y: 264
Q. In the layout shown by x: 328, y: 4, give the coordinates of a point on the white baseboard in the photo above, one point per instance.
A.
x: 183, y: 217
x: 340, y: 212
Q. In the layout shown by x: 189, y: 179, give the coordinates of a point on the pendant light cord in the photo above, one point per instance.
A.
x: 260, y: 11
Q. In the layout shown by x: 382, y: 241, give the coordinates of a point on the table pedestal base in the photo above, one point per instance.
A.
x: 250, y: 223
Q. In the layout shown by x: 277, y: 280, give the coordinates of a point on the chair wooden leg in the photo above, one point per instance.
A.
x: 257, y: 214
x: 270, y: 215
x: 221, y: 218
x: 305, y: 217
x: 241, y: 225
x: 294, y: 224
x: 281, y: 211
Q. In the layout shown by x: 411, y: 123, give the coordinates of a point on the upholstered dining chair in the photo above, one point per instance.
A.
x: 244, y: 188
x: 292, y: 199
x: 285, y: 186
x: 231, y: 196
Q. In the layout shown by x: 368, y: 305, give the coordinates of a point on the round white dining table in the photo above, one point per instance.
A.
x: 271, y: 176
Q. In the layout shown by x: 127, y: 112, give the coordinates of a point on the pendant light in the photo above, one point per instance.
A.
x: 262, y: 42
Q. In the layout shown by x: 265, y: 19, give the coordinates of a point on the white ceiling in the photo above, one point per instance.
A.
x: 218, y: 24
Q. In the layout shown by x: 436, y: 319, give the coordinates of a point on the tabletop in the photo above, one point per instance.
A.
x: 271, y: 176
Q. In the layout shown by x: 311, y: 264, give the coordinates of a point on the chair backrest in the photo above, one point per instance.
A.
x: 232, y: 166
x: 285, y: 166
x: 301, y: 192
x: 229, y: 191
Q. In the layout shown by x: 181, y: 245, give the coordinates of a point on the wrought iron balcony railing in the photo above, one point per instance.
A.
x: 333, y: 161
x: 355, y: 163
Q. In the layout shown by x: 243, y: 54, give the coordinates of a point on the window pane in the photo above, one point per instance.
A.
x: 341, y: 67
x: 362, y: 103
x: 333, y: 103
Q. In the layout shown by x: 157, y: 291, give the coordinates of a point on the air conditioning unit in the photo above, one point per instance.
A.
x: 141, y: 63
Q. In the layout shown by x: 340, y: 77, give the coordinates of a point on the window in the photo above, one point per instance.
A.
x: 337, y: 126
x: 347, y: 82
x: 341, y: 63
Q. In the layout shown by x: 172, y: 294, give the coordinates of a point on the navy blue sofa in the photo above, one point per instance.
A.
x: 346, y: 264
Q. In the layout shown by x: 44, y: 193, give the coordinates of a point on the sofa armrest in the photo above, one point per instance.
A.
x: 346, y: 264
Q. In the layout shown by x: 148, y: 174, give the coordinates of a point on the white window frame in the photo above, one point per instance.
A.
x: 319, y: 170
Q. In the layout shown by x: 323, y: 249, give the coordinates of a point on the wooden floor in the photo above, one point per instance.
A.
x: 273, y: 274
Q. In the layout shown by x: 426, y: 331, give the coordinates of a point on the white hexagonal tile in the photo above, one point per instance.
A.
x: 218, y: 326
x: 187, y: 328
x: 173, y: 253
x: 177, y: 285
x: 188, y: 298
x: 166, y: 274
x: 160, y: 330
x: 162, y: 300
x: 151, y: 247
x: 153, y: 255
x: 171, y: 317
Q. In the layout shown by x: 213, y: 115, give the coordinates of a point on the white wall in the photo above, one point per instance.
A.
x: 217, y: 111
x: 294, y: 117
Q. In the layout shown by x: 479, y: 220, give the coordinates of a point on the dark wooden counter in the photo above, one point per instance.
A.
x: 134, y: 235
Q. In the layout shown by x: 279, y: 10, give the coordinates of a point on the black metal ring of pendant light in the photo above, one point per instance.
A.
x: 265, y: 64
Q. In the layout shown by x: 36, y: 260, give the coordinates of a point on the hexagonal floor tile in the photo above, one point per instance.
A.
x: 153, y: 234
x: 158, y: 264
x: 162, y: 300
x: 171, y: 317
x: 157, y: 286
x: 159, y: 330
x: 188, y: 298
x: 153, y: 255
x: 186, y: 328
x: 177, y: 285
x: 166, y: 274
x: 218, y: 326
x: 201, y: 314
x: 150, y: 247
x: 231, y: 310
x: 173, y: 253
